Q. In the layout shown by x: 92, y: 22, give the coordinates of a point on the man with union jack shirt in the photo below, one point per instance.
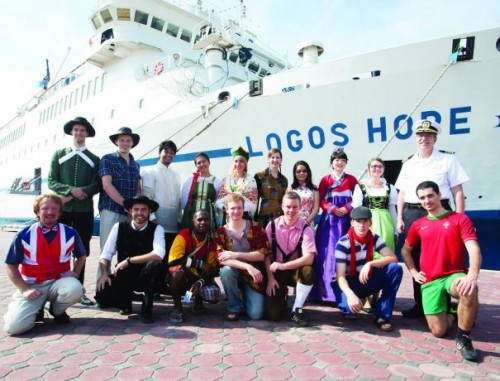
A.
x: 39, y: 265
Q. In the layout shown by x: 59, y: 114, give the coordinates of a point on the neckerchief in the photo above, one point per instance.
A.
x: 78, y: 152
x: 367, y: 241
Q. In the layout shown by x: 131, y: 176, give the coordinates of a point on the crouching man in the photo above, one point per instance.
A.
x: 193, y: 265
x: 359, y: 276
x: 293, y: 252
x: 445, y: 237
x: 39, y: 265
x: 140, y: 248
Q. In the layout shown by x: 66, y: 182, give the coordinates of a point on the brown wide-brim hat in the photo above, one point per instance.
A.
x: 68, y: 127
x: 129, y: 202
x: 125, y: 131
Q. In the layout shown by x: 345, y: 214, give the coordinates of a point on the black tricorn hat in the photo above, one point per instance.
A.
x: 125, y: 131
x: 153, y: 205
x: 68, y: 127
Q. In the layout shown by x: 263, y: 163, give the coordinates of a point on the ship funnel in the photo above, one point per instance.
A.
x: 309, y: 52
x: 214, y: 63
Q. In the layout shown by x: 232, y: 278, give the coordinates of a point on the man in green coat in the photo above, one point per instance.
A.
x: 74, y: 176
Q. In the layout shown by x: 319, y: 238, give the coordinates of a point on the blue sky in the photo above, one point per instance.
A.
x: 33, y: 30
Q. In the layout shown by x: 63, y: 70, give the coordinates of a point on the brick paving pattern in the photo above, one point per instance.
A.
x: 103, y: 345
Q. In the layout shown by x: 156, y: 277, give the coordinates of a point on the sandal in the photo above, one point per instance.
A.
x: 232, y: 316
x: 176, y: 317
x: 383, y: 325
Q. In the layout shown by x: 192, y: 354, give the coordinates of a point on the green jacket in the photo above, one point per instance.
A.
x: 75, y: 172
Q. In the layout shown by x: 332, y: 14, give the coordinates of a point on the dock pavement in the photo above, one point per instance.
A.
x: 103, y: 345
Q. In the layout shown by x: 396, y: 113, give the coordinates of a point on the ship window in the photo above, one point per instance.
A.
x: 123, y: 14
x: 253, y: 67
x: 96, y: 83
x: 233, y: 56
x: 141, y: 17
x: 89, y: 86
x: 157, y: 23
x: 103, y: 81
x: 141, y: 103
x: 76, y: 96
x: 263, y: 72
x: 112, y: 114
x: 96, y: 22
x: 83, y: 93
x: 186, y: 35
x: 106, y: 15
x: 172, y: 29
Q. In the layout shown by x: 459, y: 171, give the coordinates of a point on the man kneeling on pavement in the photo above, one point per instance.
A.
x: 39, y: 265
x: 140, y: 248
x: 445, y: 237
x: 193, y: 265
x: 359, y: 276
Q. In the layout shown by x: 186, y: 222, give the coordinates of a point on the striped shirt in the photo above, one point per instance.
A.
x: 343, y: 252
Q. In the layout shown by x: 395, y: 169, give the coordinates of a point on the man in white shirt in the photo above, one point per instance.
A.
x: 162, y: 184
x: 140, y: 249
x: 428, y: 164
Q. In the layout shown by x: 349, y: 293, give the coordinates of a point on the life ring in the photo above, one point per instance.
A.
x: 158, y: 69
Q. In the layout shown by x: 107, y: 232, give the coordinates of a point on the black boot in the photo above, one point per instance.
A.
x: 147, y: 309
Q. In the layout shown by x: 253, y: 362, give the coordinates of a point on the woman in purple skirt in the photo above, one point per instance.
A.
x: 335, y: 195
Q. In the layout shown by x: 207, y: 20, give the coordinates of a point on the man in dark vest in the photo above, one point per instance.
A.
x: 74, y: 176
x: 140, y: 248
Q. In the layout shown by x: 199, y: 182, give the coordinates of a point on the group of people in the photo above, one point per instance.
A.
x: 257, y: 233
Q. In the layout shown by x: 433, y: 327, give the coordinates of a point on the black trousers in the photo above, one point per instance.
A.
x: 83, y: 223
x: 161, y: 276
x: 276, y: 305
x: 136, y: 277
x: 411, y: 213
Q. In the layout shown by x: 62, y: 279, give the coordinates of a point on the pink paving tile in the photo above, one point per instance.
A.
x: 239, y: 348
x: 376, y: 347
x: 269, y: 359
x: 175, y: 359
x: 134, y: 373
x: 491, y: 368
x: 170, y: 373
x: 373, y: 371
x: 340, y: 372
x: 111, y: 359
x: 209, y: 338
x: 417, y: 357
x: 436, y: 370
x: 265, y: 348
x: 239, y: 373
x: 404, y: 371
x: 64, y: 373
x: 8, y: 345
x: 62, y: 346
x: 404, y: 346
x: 307, y: 372
x: 288, y: 338
x: 78, y: 359
x: 236, y: 338
x: 4, y: 371
x: 331, y: 358
x: 15, y: 358
x: 297, y: 359
x: 208, y: 348
x: 180, y: 347
x: 143, y: 359
x: 205, y: 373
x: 238, y: 359
x: 206, y: 359
x: 273, y: 373
x: 467, y: 369
x: 446, y: 356
x: 361, y: 358
x: 316, y: 337
x: 350, y: 347
x: 31, y: 347
x: 150, y: 348
x: 45, y: 359
x: 321, y: 347
x: 121, y: 347
x: 389, y: 358
x: 92, y: 347
x: 293, y: 347
x: 28, y: 373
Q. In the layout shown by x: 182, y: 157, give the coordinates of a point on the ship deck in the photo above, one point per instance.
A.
x: 101, y: 344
